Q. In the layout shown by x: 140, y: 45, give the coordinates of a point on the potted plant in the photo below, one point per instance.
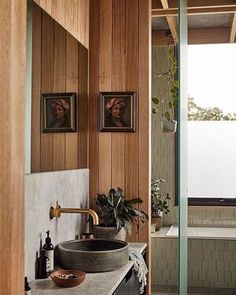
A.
x: 116, y: 214
x: 167, y: 104
x: 159, y: 202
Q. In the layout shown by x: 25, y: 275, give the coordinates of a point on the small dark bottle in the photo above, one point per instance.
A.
x: 27, y: 287
x: 49, y: 250
x: 43, y: 265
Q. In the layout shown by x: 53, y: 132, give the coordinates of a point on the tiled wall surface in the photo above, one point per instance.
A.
x: 164, y: 262
x: 71, y: 189
x: 222, y: 216
x: 211, y: 263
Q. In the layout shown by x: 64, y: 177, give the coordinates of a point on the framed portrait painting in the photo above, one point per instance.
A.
x: 58, y: 112
x: 117, y: 111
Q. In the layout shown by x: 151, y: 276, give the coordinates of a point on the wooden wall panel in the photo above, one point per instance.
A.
x: 47, y: 45
x: 118, y: 84
x: 131, y: 84
x: 120, y: 29
x: 94, y: 161
x: 36, y: 90
x: 12, y: 65
x: 72, y: 82
x: 83, y: 107
x: 73, y: 15
x: 105, y: 55
x: 60, y: 64
x: 59, y: 81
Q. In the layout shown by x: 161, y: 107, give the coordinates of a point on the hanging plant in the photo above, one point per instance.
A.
x: 166, y: 105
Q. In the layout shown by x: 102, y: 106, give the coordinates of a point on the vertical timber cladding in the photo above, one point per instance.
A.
x: 71, y: 15
x: 60, y: 64
x: 119, y: 61
x: 12, y: 65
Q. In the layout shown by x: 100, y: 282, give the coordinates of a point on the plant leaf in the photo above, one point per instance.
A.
x: 155, y: 100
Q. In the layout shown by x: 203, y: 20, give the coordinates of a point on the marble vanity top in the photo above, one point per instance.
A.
x: 104, y: 283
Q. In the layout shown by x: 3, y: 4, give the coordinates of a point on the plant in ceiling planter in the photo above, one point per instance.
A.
x: 166, y: 105
x: 159, y: 202
x: 116, y: 214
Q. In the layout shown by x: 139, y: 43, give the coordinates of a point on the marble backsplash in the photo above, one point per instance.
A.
x: 71, y: 189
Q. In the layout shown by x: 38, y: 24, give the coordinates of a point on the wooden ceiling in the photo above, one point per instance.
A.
x: 209, y: 21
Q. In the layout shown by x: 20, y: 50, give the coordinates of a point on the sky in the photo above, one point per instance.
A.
x: 212, y: 75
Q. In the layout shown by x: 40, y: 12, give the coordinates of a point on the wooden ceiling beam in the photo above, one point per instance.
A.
x: 156, y: 4
x: 233, y: 30
x: 193, y: 11
x: 171, y: 22
x: 195, y: 36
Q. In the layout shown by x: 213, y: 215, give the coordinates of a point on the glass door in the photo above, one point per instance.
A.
x: 182, y: 148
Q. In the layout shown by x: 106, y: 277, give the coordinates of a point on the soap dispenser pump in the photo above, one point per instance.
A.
x: 49, y: 249
x: 27, y: 287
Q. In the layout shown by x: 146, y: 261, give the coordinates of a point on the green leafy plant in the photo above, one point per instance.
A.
x: 198, y: 113
x: 167, y: 104
x: 116, y: 211
x: 159, y: 200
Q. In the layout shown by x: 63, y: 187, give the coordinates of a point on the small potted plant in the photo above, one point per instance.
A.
x: 167, y: 104
x: 116, y: 214
x: 159, y: 202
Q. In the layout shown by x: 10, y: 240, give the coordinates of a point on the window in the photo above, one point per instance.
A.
x: 212, y: 124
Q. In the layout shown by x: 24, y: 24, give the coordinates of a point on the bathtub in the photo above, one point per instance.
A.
x: 205, y: 232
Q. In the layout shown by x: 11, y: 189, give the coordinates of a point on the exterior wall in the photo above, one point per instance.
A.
x: 163, y: 144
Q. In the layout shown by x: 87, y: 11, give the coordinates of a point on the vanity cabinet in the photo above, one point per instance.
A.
x: 129, y: 285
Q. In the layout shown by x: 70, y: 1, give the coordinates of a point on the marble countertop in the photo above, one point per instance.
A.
x: 104, y: 283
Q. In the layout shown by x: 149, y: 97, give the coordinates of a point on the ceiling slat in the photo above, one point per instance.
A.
x: 233, y: 30
x: 171, y: 22
x: 195, y: 36
x: 193, y: 11
x: 196, y: 3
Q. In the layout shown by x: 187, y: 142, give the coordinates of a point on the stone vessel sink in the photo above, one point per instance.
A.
x: 93, y: 255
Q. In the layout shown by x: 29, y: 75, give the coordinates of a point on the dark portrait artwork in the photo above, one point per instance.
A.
x: 58, y: 112
x: 117, y: 110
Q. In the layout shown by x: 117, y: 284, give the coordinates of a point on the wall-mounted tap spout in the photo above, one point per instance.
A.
x: 56, y: 212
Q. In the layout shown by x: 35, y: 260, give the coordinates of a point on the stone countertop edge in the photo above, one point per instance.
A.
x: 103, y: 283
x: 162, y: 234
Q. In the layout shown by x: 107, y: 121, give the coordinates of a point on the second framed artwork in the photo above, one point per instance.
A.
x: 117, y: 111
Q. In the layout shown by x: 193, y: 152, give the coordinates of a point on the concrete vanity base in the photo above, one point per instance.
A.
x: 104, y: 283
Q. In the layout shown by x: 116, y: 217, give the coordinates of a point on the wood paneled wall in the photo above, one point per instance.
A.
x: 60, y: 64
x: 12, y: 65
x: 73, y: 15
x: 119, y: 61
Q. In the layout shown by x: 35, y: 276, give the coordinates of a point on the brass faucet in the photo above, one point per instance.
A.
x: 56, y: 212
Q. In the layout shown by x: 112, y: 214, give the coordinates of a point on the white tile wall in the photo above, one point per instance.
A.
x: 42, y: 190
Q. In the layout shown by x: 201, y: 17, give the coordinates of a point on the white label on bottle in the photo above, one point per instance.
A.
x: 50, y: 256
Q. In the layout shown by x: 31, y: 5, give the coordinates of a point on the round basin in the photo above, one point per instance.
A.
x: 93, y: 255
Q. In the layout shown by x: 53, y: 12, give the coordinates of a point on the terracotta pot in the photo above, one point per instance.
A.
x: 109, y: 232
x: 168, y: 126
x: 158, y: 221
